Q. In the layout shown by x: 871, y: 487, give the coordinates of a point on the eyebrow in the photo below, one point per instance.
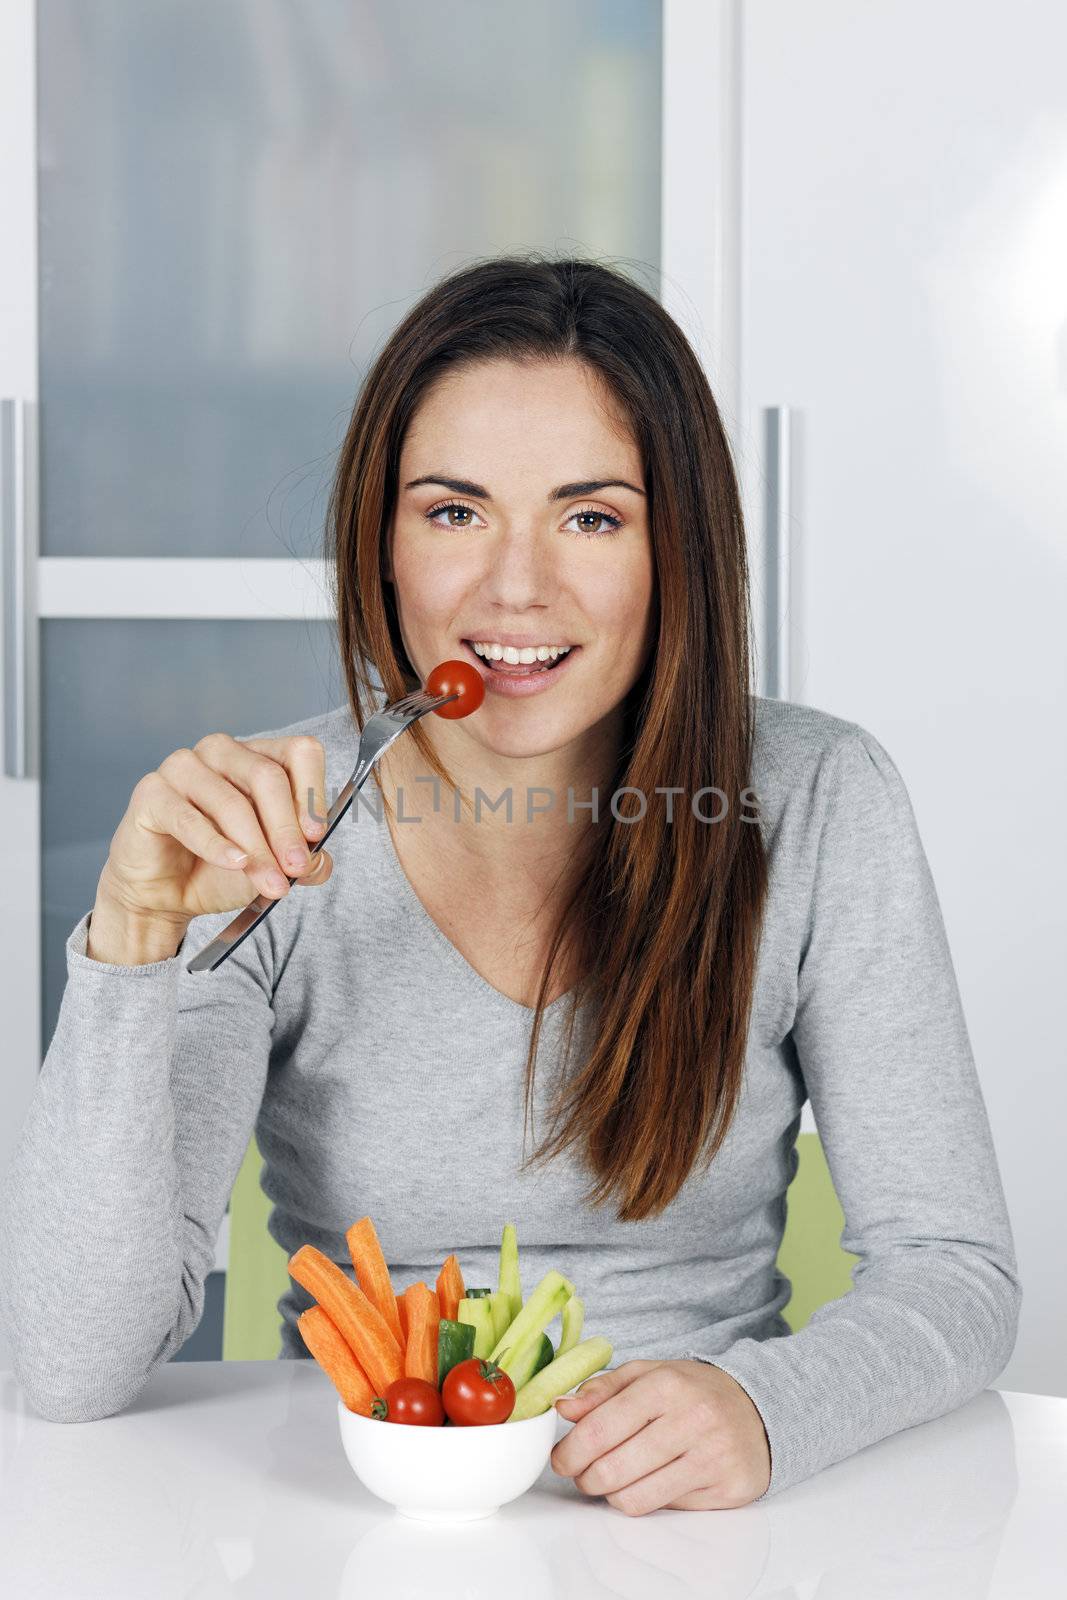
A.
x: 566, y: 491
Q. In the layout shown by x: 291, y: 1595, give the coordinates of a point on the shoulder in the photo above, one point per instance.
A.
x: 836, y: 820
x: 808, y: 765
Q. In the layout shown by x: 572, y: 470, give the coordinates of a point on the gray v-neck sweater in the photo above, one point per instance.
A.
x: 348, y: 1032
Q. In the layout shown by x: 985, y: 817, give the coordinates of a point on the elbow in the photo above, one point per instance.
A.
x: 986, y: 1294
x: 83, y: 1387
x: 1008, y: 1295
x: 74, y: 1402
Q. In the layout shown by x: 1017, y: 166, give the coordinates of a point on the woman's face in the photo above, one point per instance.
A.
x: 522, y: 520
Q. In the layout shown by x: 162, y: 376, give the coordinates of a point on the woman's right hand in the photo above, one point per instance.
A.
x: 170, y: 857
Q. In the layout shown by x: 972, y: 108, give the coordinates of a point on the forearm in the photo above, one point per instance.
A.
x: 924, y: 1329
x: 90, y: 1216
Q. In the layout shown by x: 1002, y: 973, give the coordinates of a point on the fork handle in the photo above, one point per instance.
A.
x: 225, y: 943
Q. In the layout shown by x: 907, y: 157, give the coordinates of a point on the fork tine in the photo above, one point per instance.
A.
x: 420, y: 700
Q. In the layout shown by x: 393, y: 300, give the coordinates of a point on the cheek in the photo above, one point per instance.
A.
x: 428, y: 586
x: 618, y: 605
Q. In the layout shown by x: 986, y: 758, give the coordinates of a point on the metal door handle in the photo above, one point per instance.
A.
x: 18, y: 542
x: 779, y: 516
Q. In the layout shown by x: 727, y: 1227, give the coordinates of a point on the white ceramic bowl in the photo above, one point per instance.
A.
x: 447, y: 1474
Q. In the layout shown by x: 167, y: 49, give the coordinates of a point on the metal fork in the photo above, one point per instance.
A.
x: 379, y: 733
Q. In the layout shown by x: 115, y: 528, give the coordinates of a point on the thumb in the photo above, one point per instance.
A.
x: 595, y: 1390
x: 602, y: 1386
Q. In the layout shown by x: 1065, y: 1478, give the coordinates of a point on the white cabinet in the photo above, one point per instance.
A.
x: 903, y: 229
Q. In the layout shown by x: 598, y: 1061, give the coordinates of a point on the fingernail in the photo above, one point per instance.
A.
x: 236, y: 856
x: 296, y: 858
x: 276, y: 882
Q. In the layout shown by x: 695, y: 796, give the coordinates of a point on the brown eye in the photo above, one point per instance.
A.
x: 450, y: 506
x: 591, y: 514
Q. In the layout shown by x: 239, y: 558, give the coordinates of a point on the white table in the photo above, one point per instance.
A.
x: 228, y: 1478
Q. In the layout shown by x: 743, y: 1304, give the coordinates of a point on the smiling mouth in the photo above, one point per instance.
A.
x: 523, y: 669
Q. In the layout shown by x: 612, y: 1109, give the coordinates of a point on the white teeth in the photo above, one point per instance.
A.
x: 515, y: 656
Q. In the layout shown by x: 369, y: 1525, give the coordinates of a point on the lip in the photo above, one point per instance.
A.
x: 521, y: 641
x: 519, y: 687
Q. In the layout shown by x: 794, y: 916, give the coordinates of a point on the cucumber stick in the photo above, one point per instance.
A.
x: 573, y: 1317
x: 549, y: 1298
x: 500, y: 1312
x: 546, y: 1355
x: 559, y: 1377
x: 509, y: 1269
x: 455, y: 1343
x: 521, y: 1362
x: 478, y: 1294
x: 478, y: 1313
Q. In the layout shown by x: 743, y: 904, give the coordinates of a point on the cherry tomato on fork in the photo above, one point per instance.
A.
x: 411, y: 1400
x: 477, y: 1391
x: 448, y: 677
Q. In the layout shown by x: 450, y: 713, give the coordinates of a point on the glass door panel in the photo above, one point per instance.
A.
x: 116, y: 698
x: 238, y: 202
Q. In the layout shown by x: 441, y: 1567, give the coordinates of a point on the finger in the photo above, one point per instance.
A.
x: 161, y: 809
x: 304, y: 758
x: 231, y: 811
x: 607, y: 1425
x: 674, y: 1484
x: 267, y: 784
x: 319, y: 871
x: 652, y: 1447
x: 605, y: 1384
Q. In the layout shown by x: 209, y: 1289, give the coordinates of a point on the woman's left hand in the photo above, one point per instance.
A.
x: 679, y: 1434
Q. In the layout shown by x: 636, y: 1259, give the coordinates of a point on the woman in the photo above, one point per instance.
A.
x: 707, y: 904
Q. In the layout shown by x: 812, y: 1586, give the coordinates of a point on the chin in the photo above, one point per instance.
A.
x: 541, y: 738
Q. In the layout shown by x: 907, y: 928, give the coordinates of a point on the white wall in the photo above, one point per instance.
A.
x: 20, y: 981
x: 904, y: 288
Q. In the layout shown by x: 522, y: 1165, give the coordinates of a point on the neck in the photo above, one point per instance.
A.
x: 538, y: 840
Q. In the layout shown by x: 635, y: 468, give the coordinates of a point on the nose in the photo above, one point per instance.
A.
x: 520, y: 571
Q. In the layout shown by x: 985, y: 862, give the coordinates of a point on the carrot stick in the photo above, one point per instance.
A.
x: 361, y: 1324
x: 403, y: 1306
x: 402, y: 1313
x: 373, y: 1273
x: 420, y: 1352
x: 450, y: 1288
x: 335, y: 1358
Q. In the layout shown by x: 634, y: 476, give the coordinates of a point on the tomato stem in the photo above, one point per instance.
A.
x: 380, y: 1409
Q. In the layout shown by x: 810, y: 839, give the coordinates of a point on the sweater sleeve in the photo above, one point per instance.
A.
x: 883, y: 1048
x: 113, y: 1199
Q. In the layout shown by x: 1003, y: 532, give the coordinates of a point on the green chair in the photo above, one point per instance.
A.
x: 257, y: 1276
x: 811, y: 1255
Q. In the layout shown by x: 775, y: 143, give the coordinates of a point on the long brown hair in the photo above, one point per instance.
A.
x: 665, y: 917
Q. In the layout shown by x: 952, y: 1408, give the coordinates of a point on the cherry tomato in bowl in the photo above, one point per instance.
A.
x: 456, y: 677
x: 410, y: 1400
x: 476, y: 1392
